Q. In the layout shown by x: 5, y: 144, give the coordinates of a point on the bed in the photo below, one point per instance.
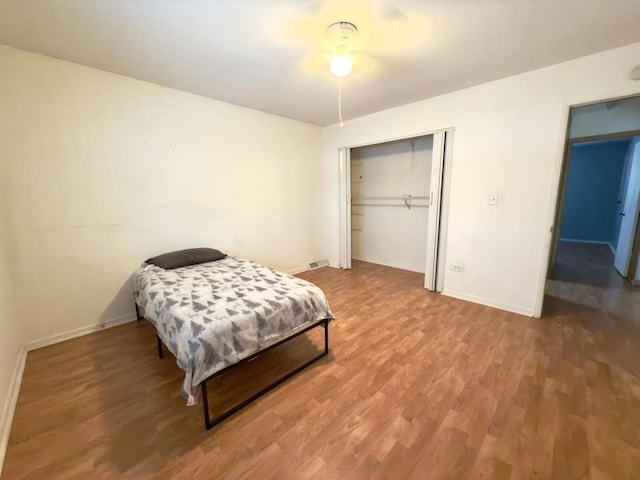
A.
x: 214, y: 312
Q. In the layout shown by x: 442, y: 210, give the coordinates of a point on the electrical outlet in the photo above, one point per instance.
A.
x: 456, y: 267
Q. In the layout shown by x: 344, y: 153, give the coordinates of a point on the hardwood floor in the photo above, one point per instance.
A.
x: 418, y: 386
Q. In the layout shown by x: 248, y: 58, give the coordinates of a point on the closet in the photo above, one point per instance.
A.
x: 400, y: 203
x: 390, y: 188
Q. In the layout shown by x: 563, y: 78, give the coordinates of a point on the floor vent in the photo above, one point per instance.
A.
x: 318, y: 264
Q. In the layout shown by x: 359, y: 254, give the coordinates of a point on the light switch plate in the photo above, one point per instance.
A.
x: 493, y: 199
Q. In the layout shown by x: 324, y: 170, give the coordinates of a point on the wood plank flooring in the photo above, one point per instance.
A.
x: 418, y: 386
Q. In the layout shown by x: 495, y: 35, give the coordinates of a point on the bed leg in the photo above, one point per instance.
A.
x: 205, y: 404
x: 160, y: 354
x: 326, y: 337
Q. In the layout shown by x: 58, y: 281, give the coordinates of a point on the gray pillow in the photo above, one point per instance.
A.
x: 184, y: 258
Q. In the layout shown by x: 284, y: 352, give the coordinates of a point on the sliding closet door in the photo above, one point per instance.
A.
x: 435, y: 196
x: 444, y: 208
x: 345, y: 207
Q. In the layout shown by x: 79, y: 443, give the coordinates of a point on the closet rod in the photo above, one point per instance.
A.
x: 406, y: 199
x: 401, y: 197
x: 423, y: 205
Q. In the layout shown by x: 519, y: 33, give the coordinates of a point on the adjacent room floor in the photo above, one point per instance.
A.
x: 584, y: 277
x: 418, y: 386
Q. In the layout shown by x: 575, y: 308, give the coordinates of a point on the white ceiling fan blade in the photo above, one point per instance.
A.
x: 311, y: 8
x: 391, y: 12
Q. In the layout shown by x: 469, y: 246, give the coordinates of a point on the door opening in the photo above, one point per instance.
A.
x: 394, y: 203
x: 598, y: 205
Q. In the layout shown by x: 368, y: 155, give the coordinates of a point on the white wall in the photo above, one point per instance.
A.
x: 11, y: 354
x: 11, y: 326
x: 509, y: 139
x: 386, y: 231
x: 106, y: 171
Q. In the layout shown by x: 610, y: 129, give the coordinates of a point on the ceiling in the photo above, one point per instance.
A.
x: 273, y: 55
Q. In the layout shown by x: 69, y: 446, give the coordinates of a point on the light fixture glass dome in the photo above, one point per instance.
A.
x: 341, y: 65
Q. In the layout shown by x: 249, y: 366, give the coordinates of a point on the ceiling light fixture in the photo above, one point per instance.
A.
x: 342, y: 32
x: 341, y: 63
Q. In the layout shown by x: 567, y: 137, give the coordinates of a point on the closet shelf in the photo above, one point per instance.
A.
x: 386, y: 201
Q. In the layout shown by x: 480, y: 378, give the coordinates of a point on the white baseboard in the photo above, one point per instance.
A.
x: 10, y: 405
x: 295, y: 271
x: 592, y: 242
x: 577, y: 240
x: 387, y: 264
x: 78, y: 332
x: 489, y: 303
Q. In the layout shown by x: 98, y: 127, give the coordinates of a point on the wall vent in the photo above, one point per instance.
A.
x: 318, y: 264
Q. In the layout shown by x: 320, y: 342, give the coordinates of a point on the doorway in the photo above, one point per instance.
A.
x: 594, y: 254
x: 394, y: 203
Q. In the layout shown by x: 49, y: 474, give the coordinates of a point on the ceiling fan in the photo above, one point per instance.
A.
x: 370, y: 34
x: 351, y: 39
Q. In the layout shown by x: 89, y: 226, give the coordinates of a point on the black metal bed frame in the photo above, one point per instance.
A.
x: 208, y: 422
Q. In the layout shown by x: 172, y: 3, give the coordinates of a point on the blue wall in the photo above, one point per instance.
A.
x: 591, y: 202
